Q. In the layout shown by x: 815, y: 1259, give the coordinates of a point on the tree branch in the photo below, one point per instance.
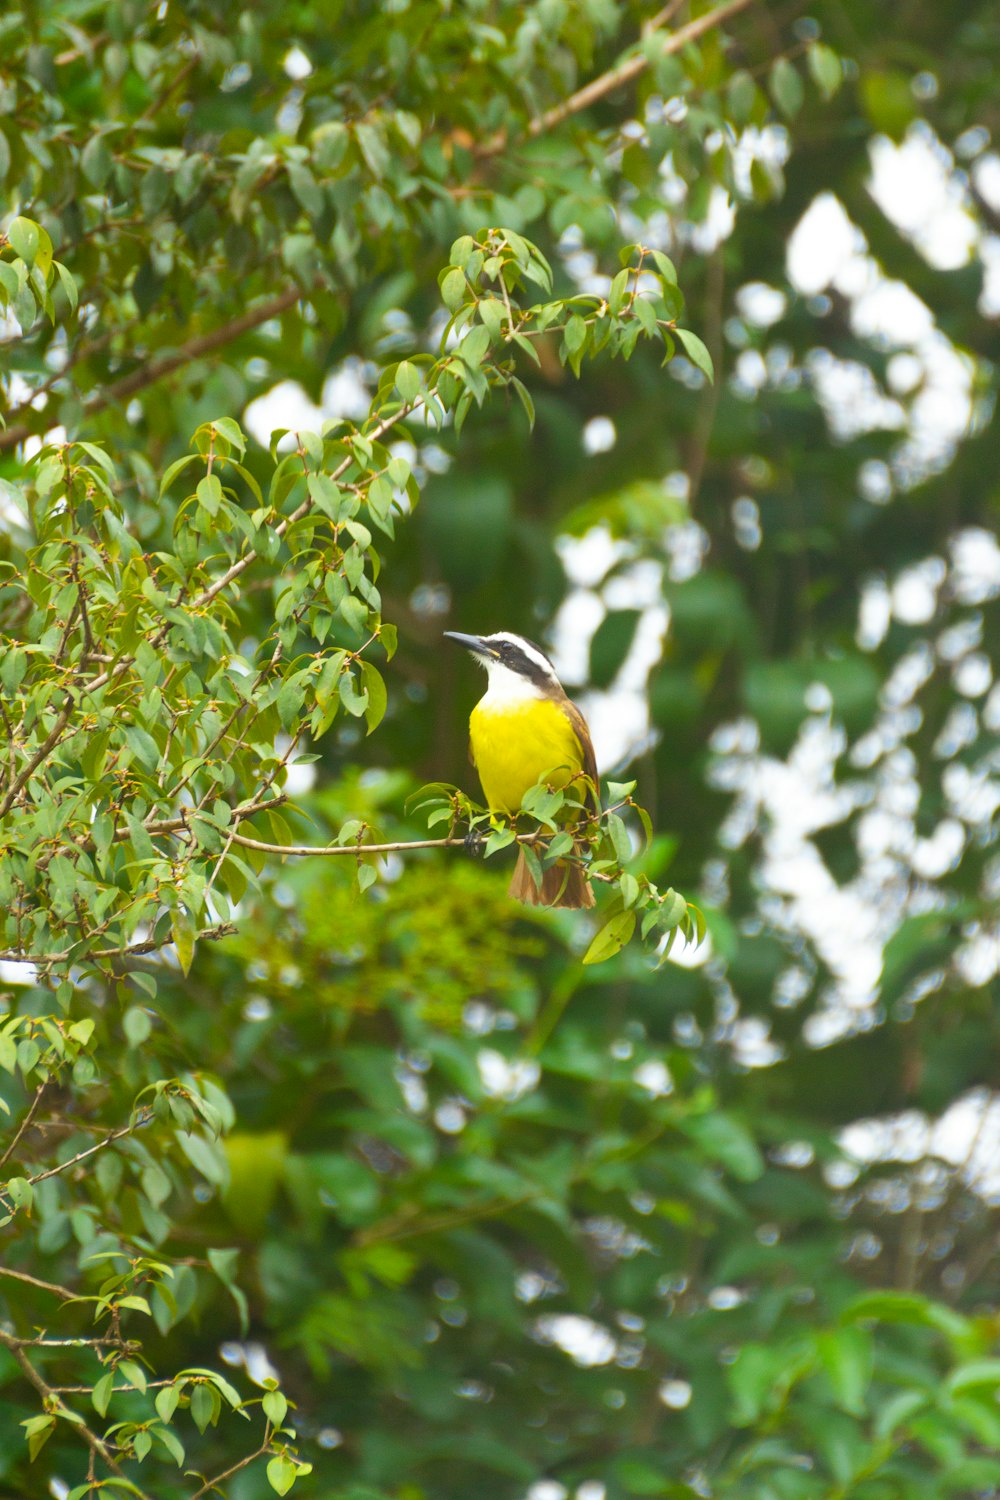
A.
x: 43, y: 1286
x: 136, y: 950
x: 354, y: 849
x: 149, y: 373
x: 54, y: 1403
x: 48, y: 744
x: 451, y: 842
x: 622, y: 73
x: 32, y: 1111
x: 115, y: 1135
x: 211, y: 1484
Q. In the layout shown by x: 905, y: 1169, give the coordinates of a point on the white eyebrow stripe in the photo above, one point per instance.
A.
x: 531, y: 652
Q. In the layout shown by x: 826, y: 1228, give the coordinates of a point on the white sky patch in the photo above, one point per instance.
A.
x: 986, y: 177
x: 253, y: 1358
x: 301, y: 775
x: 345, y: 394
x: 770, y: 146
x: 761, y: 304
x: 975, y: 563
x: 653, y: 1075
x: 599, y: 435
x: 915, y: 186
x: 989, y: 254
x: 915, y: 591
x: 618, y: 716
x: 12, y: 517
x: 752, y: 1045
x: 821, y: 245
x: 587, y: 1343
x: 851, y: 397
x: 826, y: 250
x: 966, y: 1136
x: 297, y: 64
x: 14, y: 972
x: 588, y: 559
x: 675, y: 1394
x: 688, y: 955
x: 717, y: 225
x: 874, y: 614
x: 503, y: 1079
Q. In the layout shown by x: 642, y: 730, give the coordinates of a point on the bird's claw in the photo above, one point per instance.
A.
x: 474, y: 843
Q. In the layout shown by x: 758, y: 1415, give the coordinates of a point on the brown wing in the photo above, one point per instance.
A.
x: 582, y: 733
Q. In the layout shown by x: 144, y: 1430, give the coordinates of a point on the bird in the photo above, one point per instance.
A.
x: 523, y: 727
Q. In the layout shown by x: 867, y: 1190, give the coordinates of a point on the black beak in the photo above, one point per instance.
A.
x: 473, y: 643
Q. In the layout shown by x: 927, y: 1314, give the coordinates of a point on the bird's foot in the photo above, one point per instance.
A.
x: 474, y: 842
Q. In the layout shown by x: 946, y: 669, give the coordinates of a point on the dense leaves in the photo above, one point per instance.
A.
x: 337, y: 1173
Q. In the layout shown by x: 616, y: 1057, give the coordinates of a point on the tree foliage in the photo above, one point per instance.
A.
x: 327, y: 1167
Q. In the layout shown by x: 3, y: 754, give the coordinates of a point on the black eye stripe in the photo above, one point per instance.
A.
x: 525, y: 666
x: 519, y: 661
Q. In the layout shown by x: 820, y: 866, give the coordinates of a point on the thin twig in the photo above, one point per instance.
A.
x: 55, y: 1404
x: 356, y: 849
x: 48, y: 744
x: 32, y: 1111
x: 111, y: 1341
x: 353, y: 849
x: 43, y: 1286
x: 115, y: 1135
x: 136, y: 950
x: 211, y: 1484
x: 623, y: 73
x: 149, y: 372
x: 662, y: 17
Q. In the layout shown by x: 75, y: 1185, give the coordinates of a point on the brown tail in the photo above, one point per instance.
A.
x: 562, y: 885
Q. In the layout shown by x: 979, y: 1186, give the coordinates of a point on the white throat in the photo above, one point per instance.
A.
x: 504, y: 686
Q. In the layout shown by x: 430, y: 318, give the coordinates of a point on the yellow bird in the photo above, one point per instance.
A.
x: 521, y: 729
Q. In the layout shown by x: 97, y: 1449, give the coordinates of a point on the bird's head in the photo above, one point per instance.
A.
x: 515, y: 667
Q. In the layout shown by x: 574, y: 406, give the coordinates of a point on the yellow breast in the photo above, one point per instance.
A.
x: 513, y: 744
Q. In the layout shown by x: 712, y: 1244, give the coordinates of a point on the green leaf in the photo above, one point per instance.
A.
x: 166, y: 1401
x: 143, y: 746
x: 611, y: 938
x: 101, y: 1394
x: 825, y: 69
x: 847, y: 1355
x: 183, y: 933
x: 524, y: 396
x: 209, y: 494
x: 575, y: 333
x: 453, y: 289
x: 275, y: 1407
x: 281, y: 1474
x: 786, y: 87
x: 979, y: 1374
x: 473, y: 348
x: 38, y: 1430
x: 409, y: 383
x: 25, y: 238
x: 727, y: 1141
x: 741, y: 96
x: 137, y: 1025
x: 202, y: 1406
x: 377, y: 696
x: 356, y: 703
x: 696, y: 352
x: 96, y: 161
